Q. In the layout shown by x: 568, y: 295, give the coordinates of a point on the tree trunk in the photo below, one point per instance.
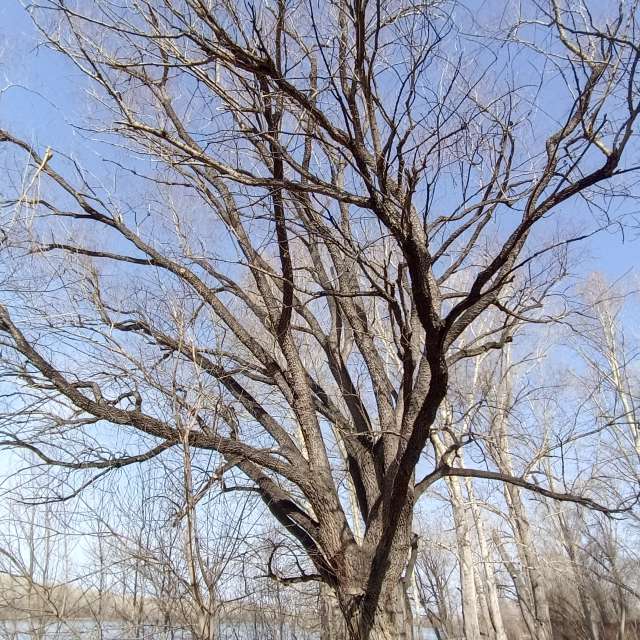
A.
x: 530, y: 560
x: 462, y: 524
x: 391, y: 619
x: 470, y: 613
x: 488, y: 576
x: 528, y: 577
x: 581, y: 581
x: 522, y: 587
x: 329, y: 613
x: 374, y: 601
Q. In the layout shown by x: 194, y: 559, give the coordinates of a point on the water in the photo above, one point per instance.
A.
x: 91, y: 630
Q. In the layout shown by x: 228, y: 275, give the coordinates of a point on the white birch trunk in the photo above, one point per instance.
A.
x: 487, y: 573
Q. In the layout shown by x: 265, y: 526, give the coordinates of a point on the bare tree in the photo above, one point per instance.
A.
x: 434, y: 571
x: 38, y: 590
x: 364, y: 177
x: 525, y: 569
x: 605, y: 387
x: 608, y: 349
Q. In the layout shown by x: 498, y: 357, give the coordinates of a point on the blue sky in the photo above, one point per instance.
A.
x: 38, y: 86
x: 42, y: 95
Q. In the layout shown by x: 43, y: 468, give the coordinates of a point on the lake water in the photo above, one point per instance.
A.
x: 90, y: 630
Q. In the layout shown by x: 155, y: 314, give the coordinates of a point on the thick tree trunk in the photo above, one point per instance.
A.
x: 373, y: 593
x: 391, y: 619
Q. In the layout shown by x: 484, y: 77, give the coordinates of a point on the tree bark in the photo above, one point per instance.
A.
x: 374, y: 601
x: 391, y: 619
x: 470, y: 614
x: 581, y: 580
x: 531, y: 562
x: 487, y: 576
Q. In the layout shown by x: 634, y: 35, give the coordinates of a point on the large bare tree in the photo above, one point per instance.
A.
x: 310, y: 207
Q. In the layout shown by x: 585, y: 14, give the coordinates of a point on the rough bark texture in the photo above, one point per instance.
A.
x: 374, y: 603
x: 390, y: 620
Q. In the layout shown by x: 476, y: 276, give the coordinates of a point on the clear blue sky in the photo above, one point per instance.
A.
x: 42, y: 95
